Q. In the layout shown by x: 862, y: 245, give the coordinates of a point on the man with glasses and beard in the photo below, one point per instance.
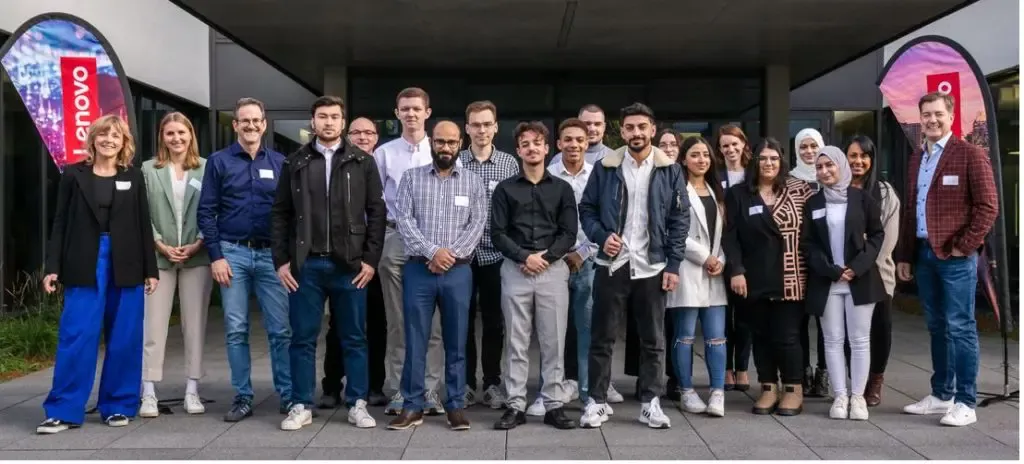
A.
x: 636, y: 209
x: 441, y: 213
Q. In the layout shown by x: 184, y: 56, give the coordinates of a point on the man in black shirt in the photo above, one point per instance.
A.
x: 534, y: 224
x: 327, y: 229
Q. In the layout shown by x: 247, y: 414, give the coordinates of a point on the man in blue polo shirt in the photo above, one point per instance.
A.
x: 234, y: 218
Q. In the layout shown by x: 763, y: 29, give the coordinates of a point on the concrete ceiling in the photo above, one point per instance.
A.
x: 302, y: 37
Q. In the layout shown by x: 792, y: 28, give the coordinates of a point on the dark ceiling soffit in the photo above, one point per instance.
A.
x: 883, y: 43
x: 314, y: 90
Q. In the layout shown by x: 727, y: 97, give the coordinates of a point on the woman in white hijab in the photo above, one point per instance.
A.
x: 841, y: 235
x: 806, y: 145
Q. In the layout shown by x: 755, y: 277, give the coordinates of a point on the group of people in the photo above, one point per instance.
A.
x: 407, y: 242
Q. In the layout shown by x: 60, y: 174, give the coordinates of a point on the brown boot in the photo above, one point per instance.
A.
x: 873, y: 392
x: 792, y: 402
x: 406, y: 419
x: 768, y: 400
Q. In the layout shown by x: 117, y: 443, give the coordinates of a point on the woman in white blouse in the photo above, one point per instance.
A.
x: 701, y: 291
x: 174, y: 179
x: 840, y: 238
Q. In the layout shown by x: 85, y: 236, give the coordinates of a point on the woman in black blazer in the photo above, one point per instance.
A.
x: 842, y: 233
x: 101, y: 251
x: 765, y: 268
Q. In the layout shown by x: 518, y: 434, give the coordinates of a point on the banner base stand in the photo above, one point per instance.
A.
x: 1013, y: 396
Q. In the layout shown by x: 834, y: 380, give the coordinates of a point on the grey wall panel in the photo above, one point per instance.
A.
x: 849, y: 87
x: 239, y: 73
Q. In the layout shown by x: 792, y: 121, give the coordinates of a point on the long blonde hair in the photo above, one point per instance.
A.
x: 163, y: 155
x: 104, y: 125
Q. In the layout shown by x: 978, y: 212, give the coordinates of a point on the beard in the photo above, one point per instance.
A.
x: 443, y: 161
x: 644, y: 143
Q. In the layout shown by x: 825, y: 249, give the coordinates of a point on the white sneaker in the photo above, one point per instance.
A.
x: 858, y: 408
x: 593, y: 415
x: 193, y: 405
x: 494, y: 398
x: 613, y: 396
x: 298, y: 417
x: 432, y: 404
x: 574, y: 389
x: 652, y: 415
x: 52, y: 426
x: 959, y: 416
x: 537, y: 408
x: 840, y: 407
x: 394, y: 406
x: 929, y: 405
x: 716, y: 403
x: 470, y: 397
x: 359, y: 417
x: 692, y: 403
x: 149, y: 407
x: 117, y: 420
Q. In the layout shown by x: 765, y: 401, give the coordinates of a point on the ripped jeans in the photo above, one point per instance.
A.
x: 712, y: 324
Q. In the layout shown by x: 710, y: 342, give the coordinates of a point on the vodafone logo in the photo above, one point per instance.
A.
x: 945, y: 87
x: 81, y: 103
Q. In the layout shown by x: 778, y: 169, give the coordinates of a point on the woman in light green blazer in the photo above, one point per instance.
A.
x: 173, y: 181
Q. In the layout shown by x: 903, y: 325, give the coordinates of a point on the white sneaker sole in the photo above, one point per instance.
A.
x: 713, y: 412
x: 952, y: 424
x: 195, y: 412
x: 654, y: 424
x: 590, y: 425
x: 364, y: 425
x: 291, y: 425
x: 913, y: 409
x: 694, y: 410
x: 51, y: 430
x: 837, y: 416
x: 149, y: 414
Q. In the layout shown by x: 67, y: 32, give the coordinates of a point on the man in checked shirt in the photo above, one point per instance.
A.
x: 493, y: 166
x: 442, y: 209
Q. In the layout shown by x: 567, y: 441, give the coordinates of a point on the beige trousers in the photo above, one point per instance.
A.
x: 194, y: 286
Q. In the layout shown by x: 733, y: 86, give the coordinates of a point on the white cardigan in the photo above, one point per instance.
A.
x: 696, y: 288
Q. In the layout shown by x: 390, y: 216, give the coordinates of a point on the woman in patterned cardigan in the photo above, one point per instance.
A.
x: 766, y: 269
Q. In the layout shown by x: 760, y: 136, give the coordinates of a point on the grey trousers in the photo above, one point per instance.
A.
x: 193, y: 285
x: 540, y: 301
x: 390, y: 270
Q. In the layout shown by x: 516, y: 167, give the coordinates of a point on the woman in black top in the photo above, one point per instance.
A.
x: 101, y: 251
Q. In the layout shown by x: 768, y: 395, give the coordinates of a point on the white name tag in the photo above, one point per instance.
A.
x: 725, y: 184
x: 123, y: 185
x: 754, y: 210
x: 266, y: 173
x: 195, y: 183
x: 818, y: 213
x: 461, y: 201
x: 950, y: 180
x: 492, y: 185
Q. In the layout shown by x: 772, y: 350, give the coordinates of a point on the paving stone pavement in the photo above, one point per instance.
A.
x: 740, y: 435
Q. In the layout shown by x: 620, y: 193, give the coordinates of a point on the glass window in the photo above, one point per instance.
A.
x: 1005, y: 89
x: 290, y: 135
x: 850, y: 123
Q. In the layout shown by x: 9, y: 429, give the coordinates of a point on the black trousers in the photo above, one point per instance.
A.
x: 616, y: 297
x: 572, y: 363
x: 805, y: 342
x: 376, y: 337
x: 775, y: 326
x: 738, y: 338
x: 486, y: 300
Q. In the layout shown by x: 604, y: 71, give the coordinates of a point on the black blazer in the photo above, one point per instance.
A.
x: 864, y: 234
x: 73, y: 248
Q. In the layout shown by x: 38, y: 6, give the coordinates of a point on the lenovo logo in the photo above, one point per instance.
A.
x: 80, y: 101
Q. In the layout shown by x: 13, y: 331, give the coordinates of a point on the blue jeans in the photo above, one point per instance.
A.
x: 318, y: 279
x: 116, y: 313
x: 253, y: 270
x: 946, y: 288
x: 422, y: 291
x: 581, y: 300
x: 712, y: 324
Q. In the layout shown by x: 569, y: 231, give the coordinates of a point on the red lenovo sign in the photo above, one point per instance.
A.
x: 81, y: 103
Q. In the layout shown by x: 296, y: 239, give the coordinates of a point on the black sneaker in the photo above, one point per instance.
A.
x: 51, y: 426
x: 117, y: 420
x: 240, y: 409
x: 822, y: 387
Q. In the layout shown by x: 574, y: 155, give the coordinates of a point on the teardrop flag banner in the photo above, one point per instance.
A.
x: 936, y: 63
x: 67, y: 75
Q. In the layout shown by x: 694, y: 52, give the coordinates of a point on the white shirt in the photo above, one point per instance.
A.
x: 328, y: 153
x: 583, y: 246
x: 835, y: 217
x: 635, y: 235
x: 393, y: 159
x: 178, y: 187
x: 735, y: 177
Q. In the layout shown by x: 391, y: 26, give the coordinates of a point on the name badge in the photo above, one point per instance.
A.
x: 755, y: 210
x: 195, y: 183
x: 818, y: 213
x: 950, y: 180
x: 266, y: 173
x: 461, y: 201
x: 492, y: 185
x: 725, y: 184
x: 123, y: 185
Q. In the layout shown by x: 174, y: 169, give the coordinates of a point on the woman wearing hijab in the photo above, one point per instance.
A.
x: 840, y: 238
x: 806, y: 145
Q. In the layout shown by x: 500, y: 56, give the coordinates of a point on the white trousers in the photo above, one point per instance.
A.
x: 843, y: 318
x: 193, y: 286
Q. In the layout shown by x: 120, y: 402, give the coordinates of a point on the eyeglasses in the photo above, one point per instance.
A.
x: 247, y: 122
x: 357, y: 133
x: 449, y: 143
x: 479, y: 125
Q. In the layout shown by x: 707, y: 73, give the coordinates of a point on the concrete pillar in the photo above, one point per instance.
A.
x: 775, y: 103
x: 336, y: 82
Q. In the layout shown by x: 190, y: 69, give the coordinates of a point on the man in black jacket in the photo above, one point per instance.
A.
x: 327, y: 226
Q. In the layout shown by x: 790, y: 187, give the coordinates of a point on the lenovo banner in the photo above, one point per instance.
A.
x: 934, y: 63
x: 67, y: 76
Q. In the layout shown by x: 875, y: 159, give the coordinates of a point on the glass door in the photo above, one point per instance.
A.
x: 287, y: 131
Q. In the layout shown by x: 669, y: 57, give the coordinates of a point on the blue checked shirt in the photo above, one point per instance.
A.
x: 437, y: 212
x: 498, y: 167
